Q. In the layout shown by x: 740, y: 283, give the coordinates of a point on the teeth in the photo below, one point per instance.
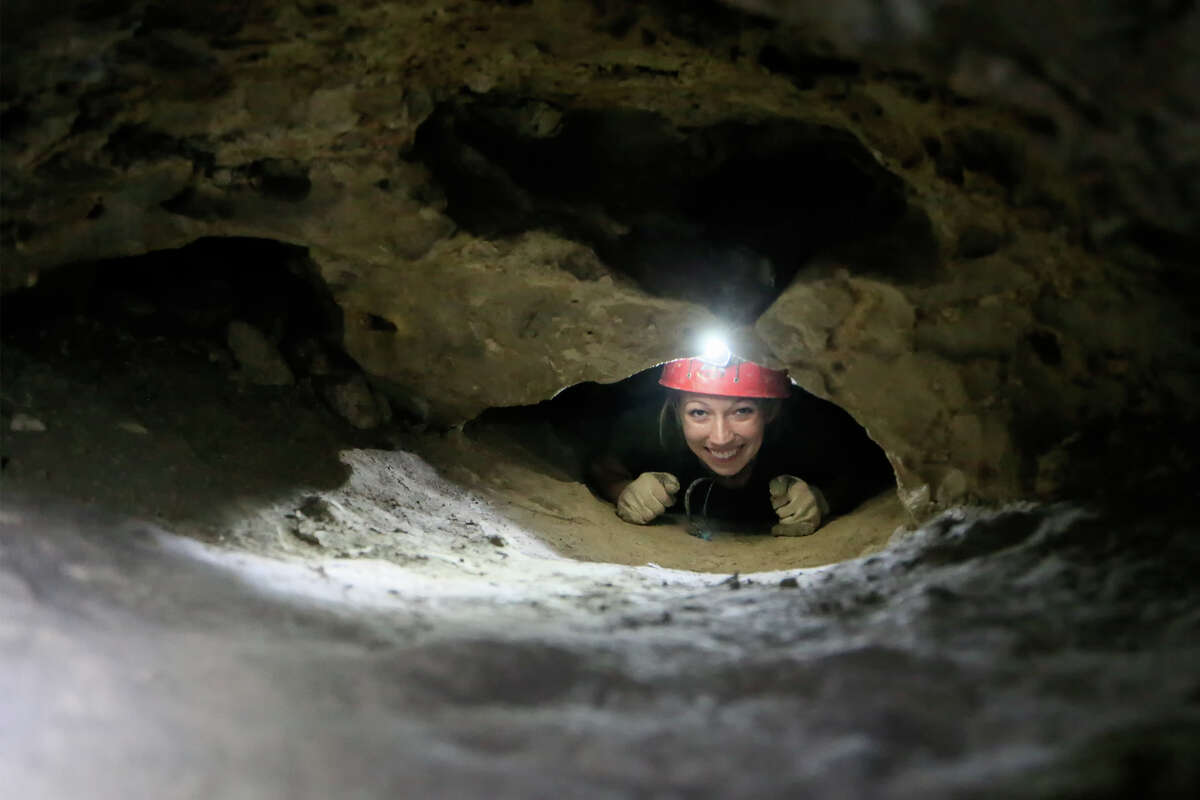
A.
x: 723, y: 453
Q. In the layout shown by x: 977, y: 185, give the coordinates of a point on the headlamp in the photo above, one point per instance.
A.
x: 714, y: 350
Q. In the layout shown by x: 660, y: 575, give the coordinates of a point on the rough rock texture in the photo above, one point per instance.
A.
x: 971, y: 242
x: 258, y: 358
x: 1002, y: 655
x: 1110, y: 88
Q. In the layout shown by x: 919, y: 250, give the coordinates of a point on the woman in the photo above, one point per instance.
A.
x: 727, y: 446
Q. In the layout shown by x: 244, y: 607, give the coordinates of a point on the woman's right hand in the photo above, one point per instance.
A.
x: 647, y: 496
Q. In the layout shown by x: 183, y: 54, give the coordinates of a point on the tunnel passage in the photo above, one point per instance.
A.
x: 183, y: 384
x: 584, y: 423
x: 195, y: 290
x: 724, y: 216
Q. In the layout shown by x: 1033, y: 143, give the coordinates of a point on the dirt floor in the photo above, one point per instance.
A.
x: 569, y: 518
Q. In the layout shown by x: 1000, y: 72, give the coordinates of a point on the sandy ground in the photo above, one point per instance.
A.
x: 568, y: 517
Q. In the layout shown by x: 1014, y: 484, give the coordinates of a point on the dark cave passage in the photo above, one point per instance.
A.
x: 576, y: 427
x: 175, y: 385
x: 724, y: 216
x: 224, y: 361
x: 193, y: 291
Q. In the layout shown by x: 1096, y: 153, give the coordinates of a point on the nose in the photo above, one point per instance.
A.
x: 721, y: 432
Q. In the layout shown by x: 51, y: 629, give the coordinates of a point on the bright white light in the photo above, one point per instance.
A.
x: 714, y: 350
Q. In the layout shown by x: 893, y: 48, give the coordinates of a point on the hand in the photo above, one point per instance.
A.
x: 800, y: 507
x: 647, y: 496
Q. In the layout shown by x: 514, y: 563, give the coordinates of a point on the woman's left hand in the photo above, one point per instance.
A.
x: 800, y: 507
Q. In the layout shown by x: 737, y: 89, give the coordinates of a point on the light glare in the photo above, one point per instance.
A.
x: 714, y: 350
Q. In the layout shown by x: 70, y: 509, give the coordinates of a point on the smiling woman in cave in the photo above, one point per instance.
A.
x: 731, y: 443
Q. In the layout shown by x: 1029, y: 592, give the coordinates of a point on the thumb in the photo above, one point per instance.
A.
x: 780, y: 485
x: 669, y: 481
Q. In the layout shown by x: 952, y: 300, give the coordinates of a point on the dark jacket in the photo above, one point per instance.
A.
x: 810, y: 438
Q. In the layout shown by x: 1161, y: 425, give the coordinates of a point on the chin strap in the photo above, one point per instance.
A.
x: 696, y: 527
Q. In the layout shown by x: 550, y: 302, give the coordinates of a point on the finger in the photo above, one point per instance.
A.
x: 652, y: 499
x: 638, y: 512
x: 798, y: 507
x: 651, y: 507
x: 654, y: 502
x: 810, y: 515
x: 779, y: 486
x: 659, y: 494
x: 631, y: 509
x: 669, y: 482
x: 799, y: 496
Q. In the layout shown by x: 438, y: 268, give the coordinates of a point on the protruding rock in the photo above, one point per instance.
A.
x: 258, y: 358
x: 26, y: 423
x: 356, y: 402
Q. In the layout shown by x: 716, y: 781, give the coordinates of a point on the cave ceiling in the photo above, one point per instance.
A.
x: 970, y: 224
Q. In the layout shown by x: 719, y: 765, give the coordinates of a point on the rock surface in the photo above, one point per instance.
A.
x: 985, y: 655
x: 986, y: 218
x: 259, y: 359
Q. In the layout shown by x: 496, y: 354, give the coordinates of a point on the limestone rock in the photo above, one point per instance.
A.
x: 354, y: 401
x: 26, y: 423
x: 480, y: 324
x: 258, y: 359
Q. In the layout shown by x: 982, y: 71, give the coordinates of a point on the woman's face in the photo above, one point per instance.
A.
x: 725, y: 433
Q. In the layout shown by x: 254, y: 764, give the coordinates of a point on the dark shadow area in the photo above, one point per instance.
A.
x: 724, y: 216
x: 121, y: 386
x: 192, y: 291
x: 564, y: 436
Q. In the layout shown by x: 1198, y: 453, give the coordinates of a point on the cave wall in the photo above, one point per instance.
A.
x: 1020, y: 291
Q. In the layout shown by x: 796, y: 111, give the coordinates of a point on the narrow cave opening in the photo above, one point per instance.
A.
x: 181, y: 384
x: 569, y: 434
x: 724, y: 215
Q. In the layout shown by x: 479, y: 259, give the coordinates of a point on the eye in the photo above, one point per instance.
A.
x: 696, y: 413
x: 745, y: 411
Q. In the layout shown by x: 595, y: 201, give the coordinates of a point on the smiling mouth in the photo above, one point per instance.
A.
x: 727, y: 454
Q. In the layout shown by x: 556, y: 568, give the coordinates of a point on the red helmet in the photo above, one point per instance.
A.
x: 737, y: 378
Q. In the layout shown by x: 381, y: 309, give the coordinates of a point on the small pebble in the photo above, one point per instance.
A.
x: 26, y: 423
x: 306, y: 535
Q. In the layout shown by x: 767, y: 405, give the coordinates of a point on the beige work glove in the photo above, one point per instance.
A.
x: 647, y: 496
x: 800, y: 507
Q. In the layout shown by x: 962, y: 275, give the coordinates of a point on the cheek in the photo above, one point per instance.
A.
x: 692, y: 432
x: 752, y: 431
